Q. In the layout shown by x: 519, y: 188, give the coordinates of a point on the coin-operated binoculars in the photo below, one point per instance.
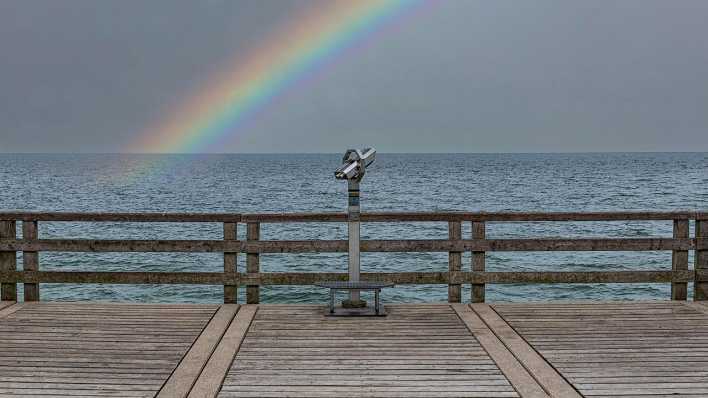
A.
x: 353, y: 168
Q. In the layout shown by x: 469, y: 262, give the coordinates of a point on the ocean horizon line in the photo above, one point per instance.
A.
x: 340, y: 152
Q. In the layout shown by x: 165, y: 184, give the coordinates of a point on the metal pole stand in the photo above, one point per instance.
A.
x: 353, y: 210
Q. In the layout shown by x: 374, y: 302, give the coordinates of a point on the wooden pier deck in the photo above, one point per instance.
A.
x: 627, y: 349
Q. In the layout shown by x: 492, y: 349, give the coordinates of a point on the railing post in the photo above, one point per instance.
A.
x: 230, y: 265
x: 679, y: 261
x: 253, y: 232
x: 8, y: 262
x: 454, y: 262
x: 30, y: 260
x: 700, y: 287
x: 478, y: 262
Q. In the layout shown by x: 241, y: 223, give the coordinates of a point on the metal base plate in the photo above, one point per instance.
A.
x: 367, y: 311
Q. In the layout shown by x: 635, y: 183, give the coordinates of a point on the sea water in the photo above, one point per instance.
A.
x: 396, y: 182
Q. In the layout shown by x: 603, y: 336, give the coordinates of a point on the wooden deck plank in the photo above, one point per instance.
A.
x: 519, y: 377
x: 81, y: 362
x: 544, y: 373
x: 301, y: 352
x: 700, y: 306
x: 10, y: 309
x: 625, y: 349
x: 209, y: 381
x: 185, y: 375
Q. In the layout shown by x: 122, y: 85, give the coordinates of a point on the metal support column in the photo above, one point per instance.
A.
x: 354, y: 238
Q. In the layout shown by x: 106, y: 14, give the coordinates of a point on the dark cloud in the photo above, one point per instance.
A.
x: 461, y: 76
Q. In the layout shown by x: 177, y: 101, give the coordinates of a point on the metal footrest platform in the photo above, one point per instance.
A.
x: 376, y: 287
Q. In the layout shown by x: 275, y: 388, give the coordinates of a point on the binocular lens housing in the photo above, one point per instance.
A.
x: 347, y: 171
x: 355, y: 163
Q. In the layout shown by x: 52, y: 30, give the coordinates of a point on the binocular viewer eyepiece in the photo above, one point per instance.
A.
x: 354, y: 164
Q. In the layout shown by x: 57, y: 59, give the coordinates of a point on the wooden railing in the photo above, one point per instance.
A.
x: 454, y: 244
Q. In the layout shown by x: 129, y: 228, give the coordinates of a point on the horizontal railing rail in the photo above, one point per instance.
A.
x: 365, y: 217
x: 337, y: 246
x: 307, y: 278
x: 30, y: 245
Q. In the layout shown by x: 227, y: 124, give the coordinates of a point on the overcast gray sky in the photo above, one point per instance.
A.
x: 454, y: 76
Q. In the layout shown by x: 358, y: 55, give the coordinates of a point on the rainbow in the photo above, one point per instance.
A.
x: 249, y: 83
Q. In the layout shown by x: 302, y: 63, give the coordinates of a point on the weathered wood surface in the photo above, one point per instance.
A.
x: 70, y: 349
x: 9, y: 307
x: 646, y: 349
x: 515, y: 372
x: 334, y: 246
x: 340, y: 217
x: 30, y: 260
x: 476, y: 216
x: 454, y: 291
x: 253, y: 233
x: 700, y: 288
x: 230, y: 263
x: 620, y: 349
x: 120, y: 217
x: 679, y: 261
x: 680, y: 244
x: 190, y: 367
x: 478, y: 262
x: 8, y: 260
x: 544, y: 373
x: 417, y: 351
x: 309, y: 278
x: 212, y: 377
